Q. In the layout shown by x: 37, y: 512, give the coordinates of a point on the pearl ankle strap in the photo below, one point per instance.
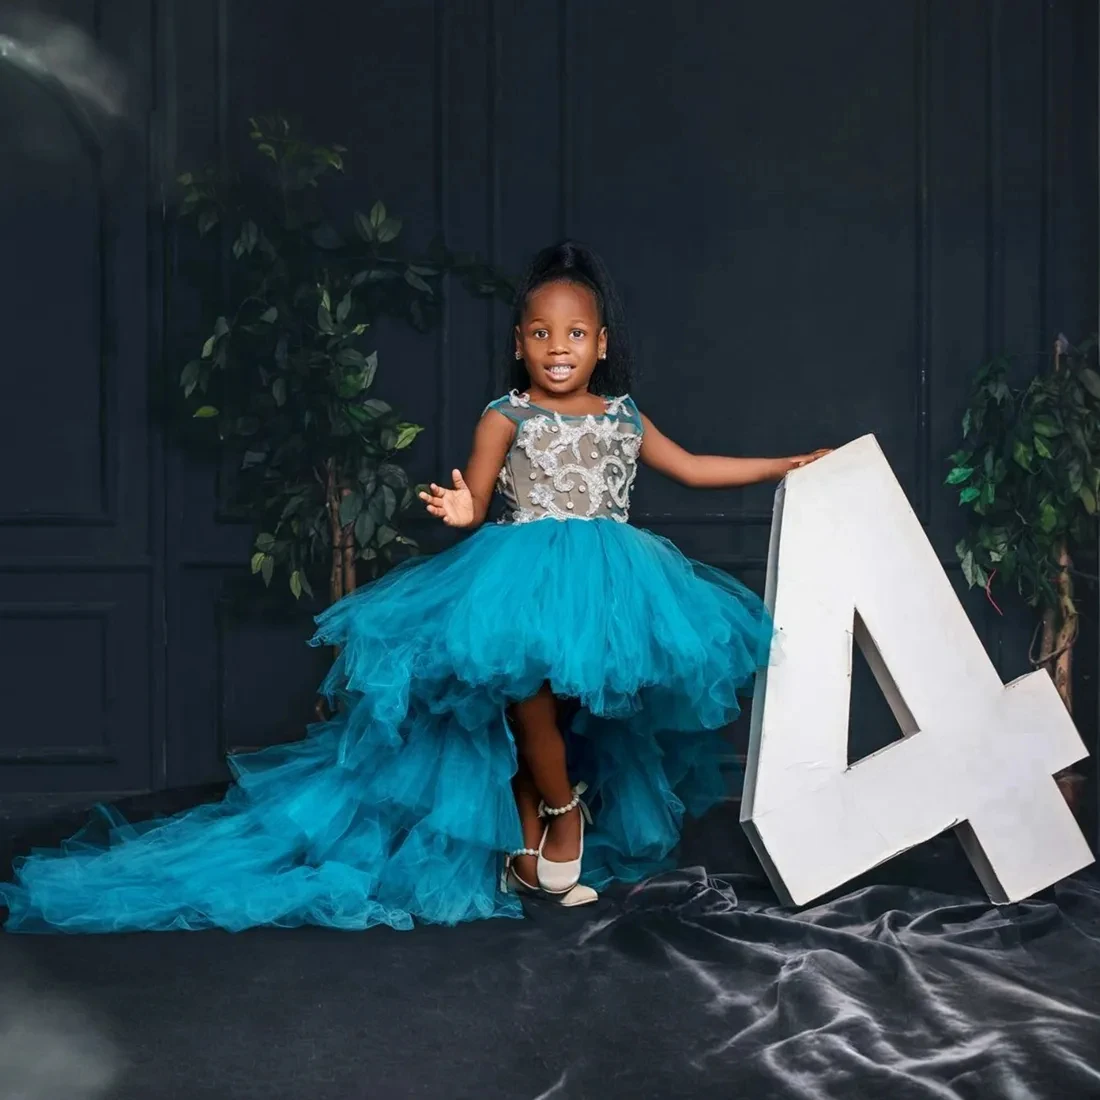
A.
x: 556, y: 811
x: 523, y: 852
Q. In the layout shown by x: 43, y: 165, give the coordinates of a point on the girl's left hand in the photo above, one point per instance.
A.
x: 798, y: 461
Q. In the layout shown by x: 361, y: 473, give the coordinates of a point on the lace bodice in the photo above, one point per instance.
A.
x: 569, y: 467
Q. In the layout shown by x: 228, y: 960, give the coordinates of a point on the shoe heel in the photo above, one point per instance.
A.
x: 555, y: 877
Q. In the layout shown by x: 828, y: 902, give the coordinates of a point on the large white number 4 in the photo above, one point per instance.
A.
x: 849, y: 561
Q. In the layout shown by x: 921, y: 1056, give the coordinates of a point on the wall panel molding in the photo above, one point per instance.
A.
x: 56, y: 613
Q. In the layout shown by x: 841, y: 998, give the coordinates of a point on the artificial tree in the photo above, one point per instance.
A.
x: 1029, y: 472
x: 285, y: 375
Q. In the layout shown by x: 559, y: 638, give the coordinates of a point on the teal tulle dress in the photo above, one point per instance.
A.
x: 400, y: 809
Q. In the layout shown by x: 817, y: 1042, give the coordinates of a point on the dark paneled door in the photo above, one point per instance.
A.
x: 79, y: 544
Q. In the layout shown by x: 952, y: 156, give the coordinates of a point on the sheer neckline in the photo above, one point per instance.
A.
x: 611, y: 406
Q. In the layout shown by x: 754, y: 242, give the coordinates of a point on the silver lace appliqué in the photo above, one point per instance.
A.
x: 593, y: 456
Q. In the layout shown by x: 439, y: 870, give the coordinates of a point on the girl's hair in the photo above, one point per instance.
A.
x: 570, y: 262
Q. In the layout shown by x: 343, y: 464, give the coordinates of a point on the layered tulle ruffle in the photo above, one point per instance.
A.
x: 400, y: 807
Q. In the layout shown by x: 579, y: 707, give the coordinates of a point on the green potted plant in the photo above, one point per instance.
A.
x: 284, y: 377
x: 1028, y: 472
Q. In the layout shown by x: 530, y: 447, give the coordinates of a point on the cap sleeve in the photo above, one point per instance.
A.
x: 515, y: 405
x: 626, y: 407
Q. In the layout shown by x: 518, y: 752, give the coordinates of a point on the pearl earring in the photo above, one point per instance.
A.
x: 518, y: 356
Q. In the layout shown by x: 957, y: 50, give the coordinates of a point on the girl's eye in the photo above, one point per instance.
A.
x: 578, y: 333
x: 540, y: 334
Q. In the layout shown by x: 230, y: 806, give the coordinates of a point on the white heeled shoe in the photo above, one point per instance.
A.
x: 555, y: 877
x: 511, y: 881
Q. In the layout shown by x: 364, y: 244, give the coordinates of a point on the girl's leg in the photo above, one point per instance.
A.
x: 542, y: 748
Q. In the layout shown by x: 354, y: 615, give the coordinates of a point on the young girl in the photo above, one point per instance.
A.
x: 479, y: 693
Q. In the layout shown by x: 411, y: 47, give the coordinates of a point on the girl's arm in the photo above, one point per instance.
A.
x: 713, y: 471
x: 467, y: 504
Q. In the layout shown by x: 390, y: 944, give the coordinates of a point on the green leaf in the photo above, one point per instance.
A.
x: 303, y: 580
x: 417, y: 282
x: 350, y: 384
x: 364, y: 229
x: 959, y: 475
x: 972, y: 492
x: 972, y: 571
x: 278, y: 391
x: 389, y: 229
x: 406, y: 433
x: 370, y: 369
x: 208, y: 347
x: 190, y: 374
x: 267, y: 569
x: 1090, y: 380
x: 383, y: 505
x: 377, y: 215
x: 324, y: 320
x: 257, y: 561
x: 1041, y: 448
x: 205, y: 412
x: 1048, y: 517
x: 207, y: 220
x: 393, y: 476
x: 349, y: 357
x: 253, y: 458
x: 1088, y: 499
x: 270, y: 316
x: 1045, y: 425
x: 265, y: 541
x: 350, y: 506
x: 966, y: 423
x: 364, y: 528
x: 344, y: 308
x: 385, y: 535
x: 1021, y: 452
x: 296, y: 584
x: 221, y: 327
x: 376, y: 408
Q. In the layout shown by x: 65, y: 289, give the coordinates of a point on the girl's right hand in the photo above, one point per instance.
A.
x: 454, y: 506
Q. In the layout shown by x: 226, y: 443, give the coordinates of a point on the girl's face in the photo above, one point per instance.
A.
x: 560, y: 337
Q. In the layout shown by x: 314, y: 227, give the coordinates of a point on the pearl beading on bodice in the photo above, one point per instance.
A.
x: 569, y: 467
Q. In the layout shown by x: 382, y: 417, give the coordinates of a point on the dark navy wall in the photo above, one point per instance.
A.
x: 822, y: 216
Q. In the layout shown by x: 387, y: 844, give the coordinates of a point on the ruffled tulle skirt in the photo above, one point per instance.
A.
x: 400, y: 808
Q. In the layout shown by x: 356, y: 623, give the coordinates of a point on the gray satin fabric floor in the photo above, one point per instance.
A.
x: 908, y: 986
